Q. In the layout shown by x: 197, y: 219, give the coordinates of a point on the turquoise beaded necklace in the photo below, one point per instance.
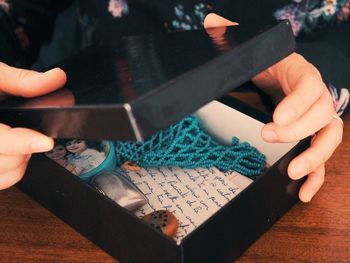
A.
x: 186, y: 145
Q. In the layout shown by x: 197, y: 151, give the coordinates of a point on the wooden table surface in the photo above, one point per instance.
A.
x: 314, y: 232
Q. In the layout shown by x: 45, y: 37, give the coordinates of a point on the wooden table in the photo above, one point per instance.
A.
x: 314, y: 232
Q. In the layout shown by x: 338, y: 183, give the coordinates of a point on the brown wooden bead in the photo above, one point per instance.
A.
x: 131, y: 166
x: 163, y: 221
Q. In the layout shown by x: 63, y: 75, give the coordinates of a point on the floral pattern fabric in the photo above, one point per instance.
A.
x: 340, y: 99
x: 4, y: 5
x: 189, y: 20
x: 118, y: 8
x: 309, y: 15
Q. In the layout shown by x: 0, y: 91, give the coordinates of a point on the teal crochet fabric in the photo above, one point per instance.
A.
x: 186, y: 145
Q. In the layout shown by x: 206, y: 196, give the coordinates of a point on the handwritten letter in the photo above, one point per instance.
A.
x: 192, y: 195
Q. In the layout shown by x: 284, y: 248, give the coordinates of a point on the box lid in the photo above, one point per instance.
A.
x: 132, y: 87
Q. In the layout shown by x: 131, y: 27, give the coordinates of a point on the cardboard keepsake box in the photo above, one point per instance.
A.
x: 136, y: 86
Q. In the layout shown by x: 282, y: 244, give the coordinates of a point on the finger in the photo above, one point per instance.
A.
x: 10, y: 178
x: 11, y: 162
x: 307, y: 90
x: 312, y: 184
x: 15, y: 141
x: 28, y: 83
x: 290, y: 69
x: 214, y: 20
x: 318, y: 116
x: 322, y: 147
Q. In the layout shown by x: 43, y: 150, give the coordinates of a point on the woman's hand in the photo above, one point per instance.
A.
x: 306, y: 109
x: 17, y: 144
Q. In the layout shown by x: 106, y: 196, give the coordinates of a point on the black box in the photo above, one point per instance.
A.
x: 148, y: 83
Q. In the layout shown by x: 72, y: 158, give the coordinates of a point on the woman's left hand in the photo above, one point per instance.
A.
x: 306, y: 109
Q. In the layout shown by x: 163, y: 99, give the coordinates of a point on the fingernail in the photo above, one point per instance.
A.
x: 308, y: 196
x: 51, y: 70
x: 269, y: 135
x: 41, y: 146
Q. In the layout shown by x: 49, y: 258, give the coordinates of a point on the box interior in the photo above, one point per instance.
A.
x: 223, y: 122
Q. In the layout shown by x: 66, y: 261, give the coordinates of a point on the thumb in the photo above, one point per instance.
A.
x: 15, y: 141
x: 29, y: 83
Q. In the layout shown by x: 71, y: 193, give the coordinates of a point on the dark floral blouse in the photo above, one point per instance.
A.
x: 37, y: 33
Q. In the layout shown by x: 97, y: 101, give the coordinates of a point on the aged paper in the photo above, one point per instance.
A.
x: 192, y: 195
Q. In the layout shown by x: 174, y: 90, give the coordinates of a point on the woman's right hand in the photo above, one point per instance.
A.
x: 17, y: 144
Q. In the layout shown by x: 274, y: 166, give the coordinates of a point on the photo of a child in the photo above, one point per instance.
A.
x: 84, y: 155
x: 79, y: 156
x: 59, y: 155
